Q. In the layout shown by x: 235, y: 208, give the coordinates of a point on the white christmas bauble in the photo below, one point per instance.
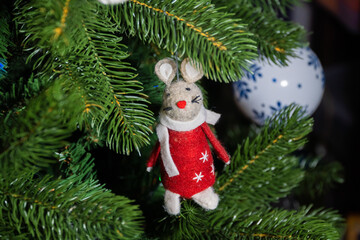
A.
x: 269, y: 87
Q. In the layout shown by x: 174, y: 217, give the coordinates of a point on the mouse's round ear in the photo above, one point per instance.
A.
x: 165, y: 69
x: 191, y: 71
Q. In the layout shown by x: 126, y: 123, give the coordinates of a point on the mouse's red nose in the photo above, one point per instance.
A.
x: 181, y: 104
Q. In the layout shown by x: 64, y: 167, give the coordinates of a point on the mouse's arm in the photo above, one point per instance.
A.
x: 153, y: 157
x: 219, y: 149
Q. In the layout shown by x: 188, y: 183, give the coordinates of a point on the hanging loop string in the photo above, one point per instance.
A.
x: 175, y: 53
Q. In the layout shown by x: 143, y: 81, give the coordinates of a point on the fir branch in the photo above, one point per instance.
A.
x: 319, y: 178
x: 32, y: 136
x: 260, y: 223
x: 11, y: 233
x: 128, y: 118
x: 223, y: 47
x: 4, y: 35
x: 278, y: 224
x: 190, y: 224
x: 261, y: 172
x: 274, y: 6
x: 20, y: 92
x: 49, y: 25
x: 76, y: 206
x: 276, y: 38
x: 94, y: 97
x: 329, y: 216
x: 66, y: 209
x: 89, y: 51
x: 76, y: 163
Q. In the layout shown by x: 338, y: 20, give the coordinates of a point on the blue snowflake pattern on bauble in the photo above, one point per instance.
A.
x: 313, y: 60
x: 260, y: 116
x: 243, y: 89
x: 277, y: 108
x: 255, y: 69
x: 2, y: 67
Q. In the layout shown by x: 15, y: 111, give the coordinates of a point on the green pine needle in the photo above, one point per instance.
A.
x: 67, y: 210
x: 31, y: 137
x: 85, y: 47
x: 70, y: 208
x: 4, y: 36
x: 280, y: 224
x: 261, y: 170
x: 276, y: 38
x: 20, y: 92
x: 190, y: 224
x: 274, y: 6
x: 76, y: 161
x: 319, y: 178
x: 208, y: 35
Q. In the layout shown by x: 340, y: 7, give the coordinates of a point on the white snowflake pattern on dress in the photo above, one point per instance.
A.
x: 212, y: 169
x: 204, y: 157
x: 198, y: 177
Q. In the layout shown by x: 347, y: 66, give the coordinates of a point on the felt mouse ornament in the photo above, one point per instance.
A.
x: 187, y: 168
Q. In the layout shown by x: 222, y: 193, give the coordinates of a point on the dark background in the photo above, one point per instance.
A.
x: 337, y: 119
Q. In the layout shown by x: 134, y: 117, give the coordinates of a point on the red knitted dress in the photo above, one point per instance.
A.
x: 192, y: 156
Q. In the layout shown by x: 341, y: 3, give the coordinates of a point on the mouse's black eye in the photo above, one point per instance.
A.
x: 167, y: 94
x: 187, y: 89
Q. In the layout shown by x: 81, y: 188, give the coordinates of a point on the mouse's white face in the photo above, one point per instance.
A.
x: 182, y: 101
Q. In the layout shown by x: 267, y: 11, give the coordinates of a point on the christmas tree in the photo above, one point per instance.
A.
x: 78, y: 91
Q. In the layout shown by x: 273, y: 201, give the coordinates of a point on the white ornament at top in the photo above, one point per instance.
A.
x: 269, y: 87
